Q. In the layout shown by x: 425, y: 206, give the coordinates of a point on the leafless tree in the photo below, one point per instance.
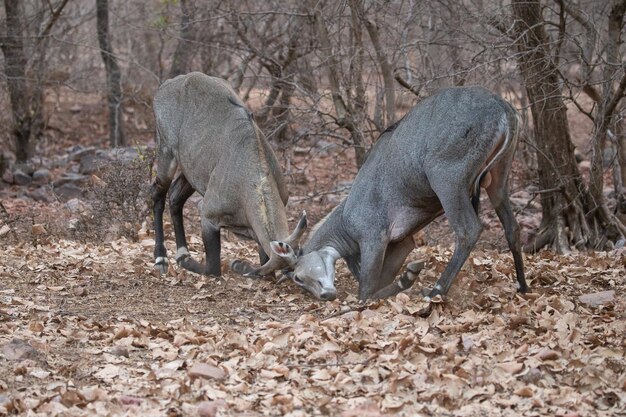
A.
x: 572, y: 215
x: 113, y: 74
x: 24, y: 73
x: 184, y: 49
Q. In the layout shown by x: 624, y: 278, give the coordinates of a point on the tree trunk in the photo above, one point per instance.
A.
x: 605, y: 112
x: 184, y: 49
x: 564, y: 199
x: 15, y: 71
x: 114, y: 76
x: 386, y: 71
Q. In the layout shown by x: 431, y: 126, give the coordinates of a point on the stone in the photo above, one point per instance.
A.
x: 598, y: 298
x: 119, y: 350
x: 7, y: 176
x: 126, y: 154
x: 206, y: 371
x: 70, y: 177
x: 41, y: 194
x: 21, y: 178
x: 210, y: 408
x: 77, y: 152
x: 4, y: 230
x: 19, y: 349
x: 76, y: 205
x: 41, y: 176
x: 68, y: 191
x: 90, y: 163
x: 25, y: 167
x: 38, y: 230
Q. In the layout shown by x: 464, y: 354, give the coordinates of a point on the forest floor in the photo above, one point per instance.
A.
x: 87, y: 326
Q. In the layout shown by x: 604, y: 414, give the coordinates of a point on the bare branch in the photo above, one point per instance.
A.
x: 406, y: 85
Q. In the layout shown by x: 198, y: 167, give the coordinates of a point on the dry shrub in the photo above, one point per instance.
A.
x: 119, y: 196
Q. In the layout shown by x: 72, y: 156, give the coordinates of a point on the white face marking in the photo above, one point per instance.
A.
x: 315, y: 271
x: 160, y: 261
x: 438, y: 287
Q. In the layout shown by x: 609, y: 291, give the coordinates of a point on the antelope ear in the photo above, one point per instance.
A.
x: 284, y: 250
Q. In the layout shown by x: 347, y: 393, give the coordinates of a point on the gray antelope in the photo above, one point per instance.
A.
x: 206, y: 132
x: 433, y: 161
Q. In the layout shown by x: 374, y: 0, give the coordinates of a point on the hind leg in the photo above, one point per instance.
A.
x: 181, y: 190
x: 467, y: 228
x: 166, y: 169
x: 499, y: 197
x: 212, y: 248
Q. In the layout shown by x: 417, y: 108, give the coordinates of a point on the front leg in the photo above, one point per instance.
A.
x: 394, y: 259
x: 372, y: 258
x: 405, y: 282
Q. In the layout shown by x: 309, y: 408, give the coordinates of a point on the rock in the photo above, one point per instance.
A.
x: 38, y: 230
x: 41, y: 194
x: 209, y: 408
x: 21, y: 178
x: 598, y: 298
x: 77, y: 152
x: 72, y: 178
x: 7, y: 176
x: 18, y: 349
x: 91, y: 163
x: 119, y: 350
x: 41, y: 176
x: 76, y: 205
x: 129, y: 400
x: 126, y: 154
x: 72, y: 224
x: 206, y: 371
x: 533, y: 376
x: 4, y: 230
x: 68, y: 191
x: 25, y: 167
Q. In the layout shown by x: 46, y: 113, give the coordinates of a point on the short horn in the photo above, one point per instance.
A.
x: 275, y: 263
x: 294, y: 238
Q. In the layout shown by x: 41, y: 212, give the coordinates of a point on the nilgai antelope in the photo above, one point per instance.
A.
x: 433, y: 161
x: 205, y: 130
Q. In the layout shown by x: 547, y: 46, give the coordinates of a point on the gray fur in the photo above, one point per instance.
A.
x: 429, y: 163
x: 206, y: 131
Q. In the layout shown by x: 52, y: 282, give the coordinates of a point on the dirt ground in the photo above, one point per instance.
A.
x: 87, y: 327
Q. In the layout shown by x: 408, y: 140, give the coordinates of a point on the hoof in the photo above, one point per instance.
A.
x: 522, y: 289
x: 415, y: 267
x: 433, y: 296
x: 161, y: 264
x: 181, y: 254
x: 243, y: 268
